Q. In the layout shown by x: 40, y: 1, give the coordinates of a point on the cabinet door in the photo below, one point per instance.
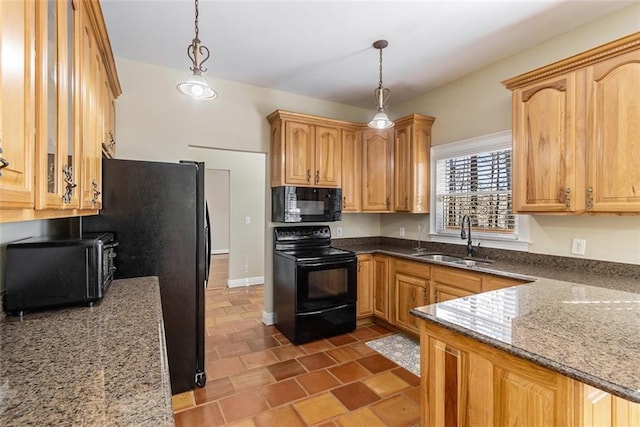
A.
x: 544, y: 146
x: 328, y: 157
x: 377, y: 170
x: 402, y: 169
x: 299, y: 154
x: 458, y: 278
x: 17, y: 21
x: 364, y: 305
x: 613, y: 151
x: 410, y: 292
x: 381, y: 287
x: 442, y: 292
x: 351, y: 171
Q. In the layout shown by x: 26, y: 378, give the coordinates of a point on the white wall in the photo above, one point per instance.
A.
x: 478, y: 104
x: 218, y: 199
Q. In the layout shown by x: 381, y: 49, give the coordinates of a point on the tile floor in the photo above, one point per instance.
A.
x: 256, y: 377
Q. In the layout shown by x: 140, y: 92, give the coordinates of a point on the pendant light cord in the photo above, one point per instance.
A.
x: 196, y: 22
x: 380, y: 82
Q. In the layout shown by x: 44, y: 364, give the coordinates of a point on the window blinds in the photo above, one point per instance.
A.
x: 479, y: 186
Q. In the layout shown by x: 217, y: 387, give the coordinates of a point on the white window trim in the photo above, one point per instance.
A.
x: 468, y: 147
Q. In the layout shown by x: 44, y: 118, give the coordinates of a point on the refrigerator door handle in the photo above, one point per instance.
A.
x: 208, y: 246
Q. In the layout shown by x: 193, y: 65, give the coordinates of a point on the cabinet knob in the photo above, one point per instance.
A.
x: 317, y: 176
x: 567, y: 197
x: 112, y: 141
x: 3, y: 163
x: 70, y: 185
x: 590, y: 198
x: 308, y: 175
x: 96, y: 193
x: 344, y: 201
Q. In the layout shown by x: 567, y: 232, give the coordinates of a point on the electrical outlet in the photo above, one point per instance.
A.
x: 578, y: 246
x: 247, y: 220
x: 338, y: 231
x: 401, y: 232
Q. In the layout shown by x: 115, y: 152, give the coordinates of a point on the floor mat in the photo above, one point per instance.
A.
x: 401, y: 349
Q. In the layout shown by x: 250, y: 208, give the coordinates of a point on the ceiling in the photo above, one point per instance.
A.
x: 323, y: 49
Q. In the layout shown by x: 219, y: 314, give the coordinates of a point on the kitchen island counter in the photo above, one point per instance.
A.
x: 104, y: 365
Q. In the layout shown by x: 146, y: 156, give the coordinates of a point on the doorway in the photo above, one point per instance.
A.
x: 218, y: 190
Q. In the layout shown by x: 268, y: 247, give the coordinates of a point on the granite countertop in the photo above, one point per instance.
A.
x: 577, y: 317
x: 584, y: 332
x: 104, y: 365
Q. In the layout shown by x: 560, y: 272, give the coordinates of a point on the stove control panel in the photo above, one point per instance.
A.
x: 298, y: 233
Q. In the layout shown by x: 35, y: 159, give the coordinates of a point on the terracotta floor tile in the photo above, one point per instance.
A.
x: 362, y: 348
x: 242, y: 336
x: 246, y: 324
x: 240, y: 302
x: 282, y: 392
x: 258, y: 358
x: 224, y: 367
x: 341, y: 340
x: 360, y: 418
x: 282, y: 339
x: 234, y: 309
x: 287, y: 352
x: 183, y: 401
x: 316, y: 346
x: 244, y: 423
x: 252, y: 379
x: 317, y: 381
x: 398, y: 411
x: 319, y: 408
x: 344, y: 354
x: 243, y: 405
x: 377, y: 363
x: 228, y: 318
x: 233, y: 349
x: 204, y: 415
x: 263, y: 343
x: 412, y: 379
x: 284, y: 416
x: 365, y: 333
x: 286, y: 369
x: 349, y: 372
x: 214, y: 390
x: 413, y: 394
x: 355, y: 395
x: 316, y: 361
x: 380, y: 329
x: 386, y: 384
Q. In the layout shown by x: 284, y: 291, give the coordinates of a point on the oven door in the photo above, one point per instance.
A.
x: 323, y: 284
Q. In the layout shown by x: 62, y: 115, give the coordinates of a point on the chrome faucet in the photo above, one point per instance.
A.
x: 467, y: 235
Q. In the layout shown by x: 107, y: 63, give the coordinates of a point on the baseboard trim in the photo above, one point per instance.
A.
x: 268, y: 318
x: 247, y: 281
x: 219, y: 251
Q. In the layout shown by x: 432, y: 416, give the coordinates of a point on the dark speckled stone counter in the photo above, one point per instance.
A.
x: 96, y: 366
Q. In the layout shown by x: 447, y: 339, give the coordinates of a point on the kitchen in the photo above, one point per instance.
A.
x: 149, y: 98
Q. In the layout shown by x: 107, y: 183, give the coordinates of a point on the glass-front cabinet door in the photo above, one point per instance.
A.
x: 57, y: 139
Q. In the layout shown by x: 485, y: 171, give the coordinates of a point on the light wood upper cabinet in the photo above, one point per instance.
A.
x: 576, y: 132
x: 411, y: 163
x: 544, y: 149
x: 58, y: 74
x: 613, y: 136
x: 17, y: 97
x: 377, y: 170
x: 364, y: 306
x: 306, y: 151
x: 351, y: 171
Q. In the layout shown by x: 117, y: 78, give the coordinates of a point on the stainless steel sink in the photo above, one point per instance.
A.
x: 452, y: 259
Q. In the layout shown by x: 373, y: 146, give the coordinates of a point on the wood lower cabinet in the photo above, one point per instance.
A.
x: 410, y: 289
x: 450, y: 283
x: 351, y: 170
x: 364, y: 306
x: 377, y: 170
x: 381, y: 294
x: 491, y: 282
x: 467, y: 383
x: 575, y: 133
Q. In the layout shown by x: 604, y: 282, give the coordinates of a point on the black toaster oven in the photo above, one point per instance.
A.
x: 43, y: 272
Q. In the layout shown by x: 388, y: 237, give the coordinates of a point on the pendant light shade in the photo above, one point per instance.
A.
x: 380, y: 120
x: 195, y: 85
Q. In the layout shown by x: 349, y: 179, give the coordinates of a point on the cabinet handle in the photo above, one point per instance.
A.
x: 96, y: 193
x: 435, y: 296
x: 308, y: 175
x: 317, y: 176
x: 567, y: 197
x: 406, y: 201
x: 590, y: 198
x: 70, y: 185
x: 3, y: 163
x: 344, y: 201
x: 388, y: 202
x: 112, y: 141
x: 359, y: 266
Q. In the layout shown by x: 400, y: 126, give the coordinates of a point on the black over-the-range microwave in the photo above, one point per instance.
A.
x: 306, y: 204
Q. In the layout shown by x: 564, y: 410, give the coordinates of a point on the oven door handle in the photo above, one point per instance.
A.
x: 313, y: 313
x: 111, y: 245
x: 327, y: 264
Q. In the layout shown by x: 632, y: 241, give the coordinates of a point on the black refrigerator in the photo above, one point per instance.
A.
x: 159, y: 216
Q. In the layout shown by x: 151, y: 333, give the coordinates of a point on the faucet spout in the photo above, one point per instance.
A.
x: 466, y: 220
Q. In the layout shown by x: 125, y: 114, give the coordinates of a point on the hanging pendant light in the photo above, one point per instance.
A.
x: 195, y: 85
x: 381, y: 120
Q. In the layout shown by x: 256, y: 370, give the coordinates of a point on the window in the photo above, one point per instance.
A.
x: 473, y: 177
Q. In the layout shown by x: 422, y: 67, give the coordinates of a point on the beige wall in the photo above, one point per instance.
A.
x: 218, y: 200
x: 478, y: 105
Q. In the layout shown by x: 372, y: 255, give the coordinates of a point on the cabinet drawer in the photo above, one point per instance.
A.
x: 411, y: 268
x: 458, y: 278
x: 491, y: 282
